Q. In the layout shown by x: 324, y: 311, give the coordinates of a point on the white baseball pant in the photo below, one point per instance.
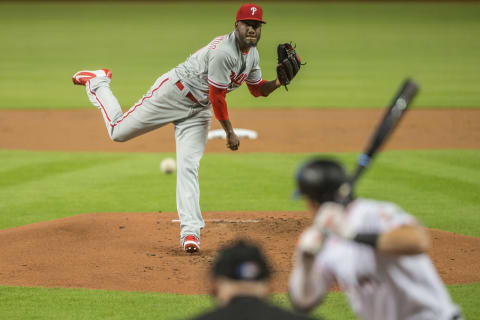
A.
x: 164, y: 103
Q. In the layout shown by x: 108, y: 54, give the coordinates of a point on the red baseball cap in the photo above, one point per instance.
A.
x: 250, y: 12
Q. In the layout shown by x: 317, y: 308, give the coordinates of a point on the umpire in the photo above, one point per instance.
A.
x: 240, y: 276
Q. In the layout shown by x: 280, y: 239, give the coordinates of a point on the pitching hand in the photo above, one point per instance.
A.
x: 232, y: 141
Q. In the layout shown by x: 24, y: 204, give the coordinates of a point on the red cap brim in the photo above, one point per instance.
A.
x: 252, y: 19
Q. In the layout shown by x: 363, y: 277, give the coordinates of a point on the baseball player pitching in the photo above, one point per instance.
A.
x: 185, y: 96
x: 374, y: 250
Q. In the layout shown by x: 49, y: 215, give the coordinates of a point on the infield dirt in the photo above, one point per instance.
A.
x: 141, y: 251
x: 279, y: 130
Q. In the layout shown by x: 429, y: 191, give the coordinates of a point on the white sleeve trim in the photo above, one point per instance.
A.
x: 254, y: 82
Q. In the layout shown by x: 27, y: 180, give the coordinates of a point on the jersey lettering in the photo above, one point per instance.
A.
x: 213, y: 45
x: 237, y: 80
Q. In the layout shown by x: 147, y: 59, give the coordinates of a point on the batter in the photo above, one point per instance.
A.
x: 376, y: 252
x: 185, y: 96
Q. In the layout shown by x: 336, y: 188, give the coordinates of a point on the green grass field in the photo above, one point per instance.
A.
x: 356, y: 54
x: 363, y: 49
x: 23, y: 303
x: 38, y: 186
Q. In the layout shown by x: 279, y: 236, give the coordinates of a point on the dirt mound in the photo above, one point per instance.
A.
x: 141, y: 251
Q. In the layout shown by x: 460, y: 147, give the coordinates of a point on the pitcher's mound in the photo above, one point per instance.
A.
x: 141, y: 251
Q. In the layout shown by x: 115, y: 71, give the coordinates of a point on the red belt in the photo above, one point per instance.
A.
x: 190, y: 96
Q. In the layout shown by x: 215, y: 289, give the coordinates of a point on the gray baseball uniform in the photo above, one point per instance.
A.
x: 378, y: 286
x: 181, y: 97
x: 220, y: 64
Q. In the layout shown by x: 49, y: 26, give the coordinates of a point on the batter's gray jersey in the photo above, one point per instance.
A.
x: 220, y: 64
x: 379, y: 287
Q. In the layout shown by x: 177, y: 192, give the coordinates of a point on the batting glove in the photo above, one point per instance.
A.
x: 310, y: 241
x: 331, y: 218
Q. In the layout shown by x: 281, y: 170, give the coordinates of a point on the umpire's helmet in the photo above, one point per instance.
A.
x: 319, y: 179
x: 241, y: 260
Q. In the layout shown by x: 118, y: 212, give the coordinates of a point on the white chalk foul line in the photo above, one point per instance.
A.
x: 225, y: 221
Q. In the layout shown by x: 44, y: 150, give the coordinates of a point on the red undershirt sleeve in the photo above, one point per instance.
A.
x: 219, y: 105
x: 255, y: 89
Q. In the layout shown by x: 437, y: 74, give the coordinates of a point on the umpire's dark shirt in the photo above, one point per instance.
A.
x: 250, y: 308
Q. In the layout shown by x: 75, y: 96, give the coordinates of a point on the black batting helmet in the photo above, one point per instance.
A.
x: 319, y: 179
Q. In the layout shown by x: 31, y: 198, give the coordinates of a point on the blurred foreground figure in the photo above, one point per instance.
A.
x: 240, y: 285
x: 374, y: 250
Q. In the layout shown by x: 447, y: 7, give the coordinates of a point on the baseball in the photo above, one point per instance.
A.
x: 168, y: 165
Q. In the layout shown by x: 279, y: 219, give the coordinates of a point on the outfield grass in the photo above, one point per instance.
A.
x: 69, y: 304
x: 356, y: 54
x: 439, y: 187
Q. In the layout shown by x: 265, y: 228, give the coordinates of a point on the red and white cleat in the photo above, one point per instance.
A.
x: 191, y: 244
x: 82, y: 77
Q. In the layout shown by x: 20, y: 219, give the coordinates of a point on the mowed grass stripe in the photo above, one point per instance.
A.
x: 440, y: 188
x: 82, y: 183
x: 356, y: 54
x: 42, y: 303
x: 437, y: 186
x: 39, y: 171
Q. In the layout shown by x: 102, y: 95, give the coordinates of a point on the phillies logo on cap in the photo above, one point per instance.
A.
x: 250, y: 12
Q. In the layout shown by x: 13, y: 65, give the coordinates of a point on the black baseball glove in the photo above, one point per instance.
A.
x: 288, y: 63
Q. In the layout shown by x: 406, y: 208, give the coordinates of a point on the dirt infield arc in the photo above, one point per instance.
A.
x: 141, y: 251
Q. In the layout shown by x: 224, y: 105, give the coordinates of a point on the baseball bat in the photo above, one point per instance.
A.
x: 392, y: 116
